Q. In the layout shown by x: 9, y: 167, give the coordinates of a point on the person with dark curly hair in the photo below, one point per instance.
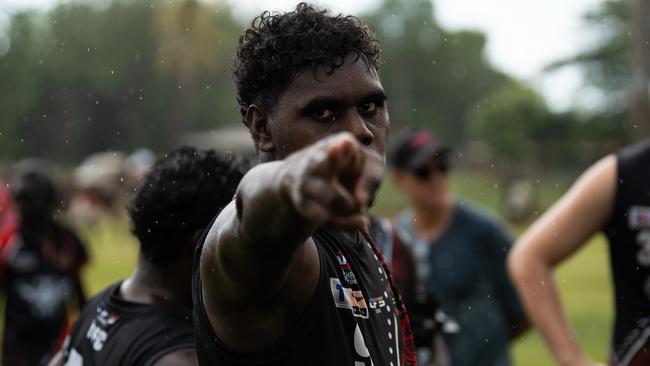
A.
x: 146, y: 319
x: 288, y: 274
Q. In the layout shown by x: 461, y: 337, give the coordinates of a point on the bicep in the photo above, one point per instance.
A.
x: 574, y: 218
x: 240, y: 285
x: 185, y: 356
x: 236, y: 270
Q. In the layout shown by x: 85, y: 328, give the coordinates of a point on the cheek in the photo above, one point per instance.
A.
x: 291, y: 136
x: 380, y: 131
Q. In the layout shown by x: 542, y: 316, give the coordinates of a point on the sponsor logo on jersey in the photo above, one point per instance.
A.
x: 638, y: 217
x: 377, y: 303
x: 347, y: 270
x: 105, y: 318
x: 98, y: 330
x: 96, y: 335
x: 346, y: 298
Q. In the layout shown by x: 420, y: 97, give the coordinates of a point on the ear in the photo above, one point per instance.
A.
x: 257, y: 121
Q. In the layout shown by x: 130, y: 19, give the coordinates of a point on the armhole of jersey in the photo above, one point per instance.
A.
x: 309, y: 314
x: 617, y: 209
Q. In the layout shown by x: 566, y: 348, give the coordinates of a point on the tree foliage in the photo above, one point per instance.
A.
x: 434, y: 77
x: 81, y: 79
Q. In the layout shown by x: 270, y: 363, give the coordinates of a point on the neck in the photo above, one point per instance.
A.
x: 151, y: 285
x: 430, y: 220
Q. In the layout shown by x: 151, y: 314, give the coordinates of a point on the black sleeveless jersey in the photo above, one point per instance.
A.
x: 112, y: 331
x: 629, y: 237
x: 38, y: 287
x: 351, y: 319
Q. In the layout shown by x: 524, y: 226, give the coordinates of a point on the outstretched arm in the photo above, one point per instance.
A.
x: 258, y: 258
x: 564, y: 228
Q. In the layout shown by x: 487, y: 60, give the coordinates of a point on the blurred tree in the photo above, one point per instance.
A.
x: 196, y: 44
x: 618, y: 65
x: 84, y: 78
x: 513, y: 121
x: 433, y: 77
x: 640, y: 93
x: 19, y: 76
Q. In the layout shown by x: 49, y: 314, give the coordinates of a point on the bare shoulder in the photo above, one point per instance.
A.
x: 185, y: 356
x: 224, y: 231
x: 595, y: 190
x: 602, y: 173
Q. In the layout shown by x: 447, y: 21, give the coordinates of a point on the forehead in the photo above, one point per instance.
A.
x: 353, y: 80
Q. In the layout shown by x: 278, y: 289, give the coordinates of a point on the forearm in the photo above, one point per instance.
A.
x: 263, y: 202
x: 257, y: 238
x: 538, y: 291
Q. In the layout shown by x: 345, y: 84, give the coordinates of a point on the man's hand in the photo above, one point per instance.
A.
x: 333, y: 181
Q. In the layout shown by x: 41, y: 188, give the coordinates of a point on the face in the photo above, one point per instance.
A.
x: 425, y: 186
x: 316, y: 104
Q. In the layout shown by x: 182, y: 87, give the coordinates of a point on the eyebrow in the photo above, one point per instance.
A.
x: 338, y: 103
x: 376, y: 96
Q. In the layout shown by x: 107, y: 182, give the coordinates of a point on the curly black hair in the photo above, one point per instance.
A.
x: 278, y: 46
x: 180, y: 195
x: 33, y: 187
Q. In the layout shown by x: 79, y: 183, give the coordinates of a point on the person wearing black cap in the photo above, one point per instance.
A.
x: 460, y: 254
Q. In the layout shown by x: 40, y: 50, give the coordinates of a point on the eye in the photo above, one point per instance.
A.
x: 368, y: 108
x: 324, y: 114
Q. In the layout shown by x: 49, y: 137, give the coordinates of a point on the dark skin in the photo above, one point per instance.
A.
x: 153, y: 284
x: 259, y: 265
x: 150, y: 284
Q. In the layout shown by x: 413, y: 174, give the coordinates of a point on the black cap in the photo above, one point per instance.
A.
x: 411, y: 150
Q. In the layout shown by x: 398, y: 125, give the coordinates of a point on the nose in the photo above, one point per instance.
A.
x: 356, y: 125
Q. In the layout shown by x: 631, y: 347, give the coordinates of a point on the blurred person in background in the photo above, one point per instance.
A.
x: 427, y: 320
x: 612, y: 197
x: 39, y: 269
x: 146, y: 319
x: 99, y: 183
x: 460, y: 254
x: 397, y: 255
x: 9, y: 218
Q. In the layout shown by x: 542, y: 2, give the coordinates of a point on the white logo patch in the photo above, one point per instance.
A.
x: 346, y: 298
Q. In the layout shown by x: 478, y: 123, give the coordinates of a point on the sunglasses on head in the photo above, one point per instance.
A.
x: 425, y: 171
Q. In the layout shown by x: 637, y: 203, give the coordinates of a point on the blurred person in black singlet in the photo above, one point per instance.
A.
x: 146, y: 319
x: 613, y: 197
x: 40, y: 262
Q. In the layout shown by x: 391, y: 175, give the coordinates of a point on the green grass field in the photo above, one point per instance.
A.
x: 584, y: 279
